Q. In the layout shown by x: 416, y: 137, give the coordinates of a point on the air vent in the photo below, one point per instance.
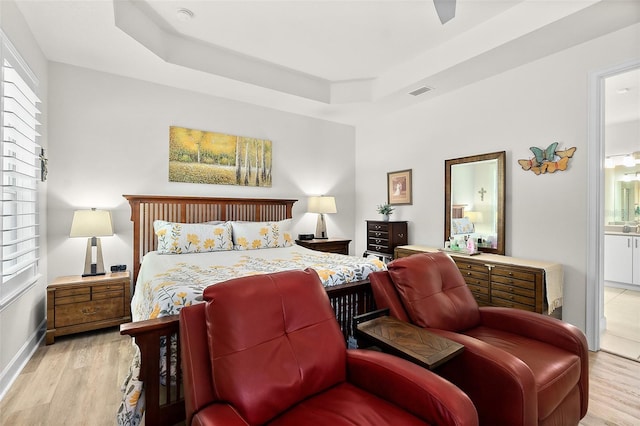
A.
x: 420, y: 91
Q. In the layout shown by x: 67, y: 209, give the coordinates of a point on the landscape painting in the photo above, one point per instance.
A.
x: 198, y: 156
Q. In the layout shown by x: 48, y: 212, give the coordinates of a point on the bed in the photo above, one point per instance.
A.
x: 168, y: 282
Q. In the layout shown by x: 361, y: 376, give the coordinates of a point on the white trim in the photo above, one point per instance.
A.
x: 19, y: 361
x: 13, y: 296
x: 14, y: 53
x: 595, y: 205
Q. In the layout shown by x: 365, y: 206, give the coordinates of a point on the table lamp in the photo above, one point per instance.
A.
x: 92, y: 224
x: 322, y: 205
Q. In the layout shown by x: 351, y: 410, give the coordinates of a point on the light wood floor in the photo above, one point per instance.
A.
x: 77, y: 381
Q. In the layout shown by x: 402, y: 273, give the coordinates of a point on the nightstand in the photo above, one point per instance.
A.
x: 76, y: 304
x: 329, y: 245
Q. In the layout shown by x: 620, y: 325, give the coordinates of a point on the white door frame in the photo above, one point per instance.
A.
x: 595, y: 203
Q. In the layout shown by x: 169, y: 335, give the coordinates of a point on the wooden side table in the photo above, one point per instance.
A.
x: 76, y: 304
x: 329, y: 245
x: 409, y: 341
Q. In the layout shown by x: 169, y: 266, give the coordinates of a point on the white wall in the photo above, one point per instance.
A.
x: 22, y: 320
x: 109, y: 136
x: 532, y: 105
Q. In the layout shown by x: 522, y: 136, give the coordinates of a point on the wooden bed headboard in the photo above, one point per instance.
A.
x: 145, y: 209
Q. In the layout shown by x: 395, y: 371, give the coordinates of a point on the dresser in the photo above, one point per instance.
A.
x: 496, y: 280
x: 383, y: 237
x: 76, y: 304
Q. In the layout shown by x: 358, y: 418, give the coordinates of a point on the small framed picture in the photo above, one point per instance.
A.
x: 399, y: 187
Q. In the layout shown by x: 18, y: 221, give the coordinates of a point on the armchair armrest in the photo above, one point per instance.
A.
x: 535, y: 326
x: 410, y: 387
x: 544, y: 329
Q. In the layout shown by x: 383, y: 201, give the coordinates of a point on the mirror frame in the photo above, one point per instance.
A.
x: 501, y: 157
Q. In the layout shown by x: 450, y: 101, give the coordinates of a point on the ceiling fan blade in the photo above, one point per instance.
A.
x: 446, y: 9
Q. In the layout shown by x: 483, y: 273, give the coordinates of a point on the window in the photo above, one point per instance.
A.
x: 20, y: 172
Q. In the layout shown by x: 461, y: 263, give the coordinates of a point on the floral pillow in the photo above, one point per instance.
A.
x: 178, y: 238
x: 258, y: 235
x: 461, y: 226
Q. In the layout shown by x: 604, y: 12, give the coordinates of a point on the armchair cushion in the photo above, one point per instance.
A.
x: 433, y: 292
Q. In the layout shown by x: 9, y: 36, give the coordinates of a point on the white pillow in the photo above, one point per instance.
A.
x: 258, y: 235
x: 178, y: 238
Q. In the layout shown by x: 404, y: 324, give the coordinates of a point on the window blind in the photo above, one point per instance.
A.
x: 20, y: 168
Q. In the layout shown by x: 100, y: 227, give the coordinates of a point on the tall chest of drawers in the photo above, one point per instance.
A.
x: 383, y: 237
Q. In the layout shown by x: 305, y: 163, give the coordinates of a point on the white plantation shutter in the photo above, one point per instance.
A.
x: 20, y: 172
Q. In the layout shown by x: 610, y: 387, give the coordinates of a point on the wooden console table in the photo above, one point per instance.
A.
x: 497, y: 280
x: 408, y: 341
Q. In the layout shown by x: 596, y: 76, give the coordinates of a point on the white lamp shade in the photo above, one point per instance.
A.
x: 474, y: 217
x: 322, y: 205
x: 91, y: 223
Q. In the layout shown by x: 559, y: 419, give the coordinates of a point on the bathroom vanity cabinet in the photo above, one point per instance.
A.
x: 622, y: 258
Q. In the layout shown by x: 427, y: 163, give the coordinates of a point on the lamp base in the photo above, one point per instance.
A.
x: 321, y: 228
x: 92, y: 269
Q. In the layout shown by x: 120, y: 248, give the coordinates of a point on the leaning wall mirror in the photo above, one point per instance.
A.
x: 474, y: 200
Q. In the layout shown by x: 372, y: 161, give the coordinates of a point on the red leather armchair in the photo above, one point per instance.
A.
x: 267, y: 349
x: 518, y: 367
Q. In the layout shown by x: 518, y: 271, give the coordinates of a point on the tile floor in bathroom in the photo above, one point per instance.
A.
x: 622, y: 311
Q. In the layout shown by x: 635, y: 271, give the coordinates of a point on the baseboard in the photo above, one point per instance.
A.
x: 19, y: 361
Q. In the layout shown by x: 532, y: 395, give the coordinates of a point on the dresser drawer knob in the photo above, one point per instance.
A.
x: 401, y: 235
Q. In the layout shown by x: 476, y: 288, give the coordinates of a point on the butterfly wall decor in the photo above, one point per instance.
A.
x: 547, y: 160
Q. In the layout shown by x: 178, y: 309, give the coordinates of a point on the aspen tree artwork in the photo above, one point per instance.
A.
x: 198, y: 156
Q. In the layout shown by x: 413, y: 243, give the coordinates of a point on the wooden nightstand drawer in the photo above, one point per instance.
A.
x: 77, y: 298
x: 82, y: 313
x: 76, y: 291
x: 111, y: 294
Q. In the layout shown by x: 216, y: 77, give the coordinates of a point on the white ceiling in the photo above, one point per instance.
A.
x: 331, y: 59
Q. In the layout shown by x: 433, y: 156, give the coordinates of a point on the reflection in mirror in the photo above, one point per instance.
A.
x: 622, y: 195
x: 474, y: 201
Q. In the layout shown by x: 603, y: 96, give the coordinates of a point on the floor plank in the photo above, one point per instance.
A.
x: 77, y: 380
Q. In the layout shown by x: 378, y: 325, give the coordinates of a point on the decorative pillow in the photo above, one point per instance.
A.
x: 258, y: 235
x: 178, y: 238
x: 461, y: 226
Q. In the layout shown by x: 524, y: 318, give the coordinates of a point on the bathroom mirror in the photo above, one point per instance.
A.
x: 622, y: 199
x: 474, y: 200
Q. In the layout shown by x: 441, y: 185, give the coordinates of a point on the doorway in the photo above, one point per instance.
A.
x: 613, y: 301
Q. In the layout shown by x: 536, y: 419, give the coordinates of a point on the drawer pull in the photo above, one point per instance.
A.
x: 378, y: 227
x: 378, y: 234
x: 88, y: 311
x: 401, y: 235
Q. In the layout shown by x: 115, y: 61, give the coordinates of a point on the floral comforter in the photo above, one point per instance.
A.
x: 166, y: 283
